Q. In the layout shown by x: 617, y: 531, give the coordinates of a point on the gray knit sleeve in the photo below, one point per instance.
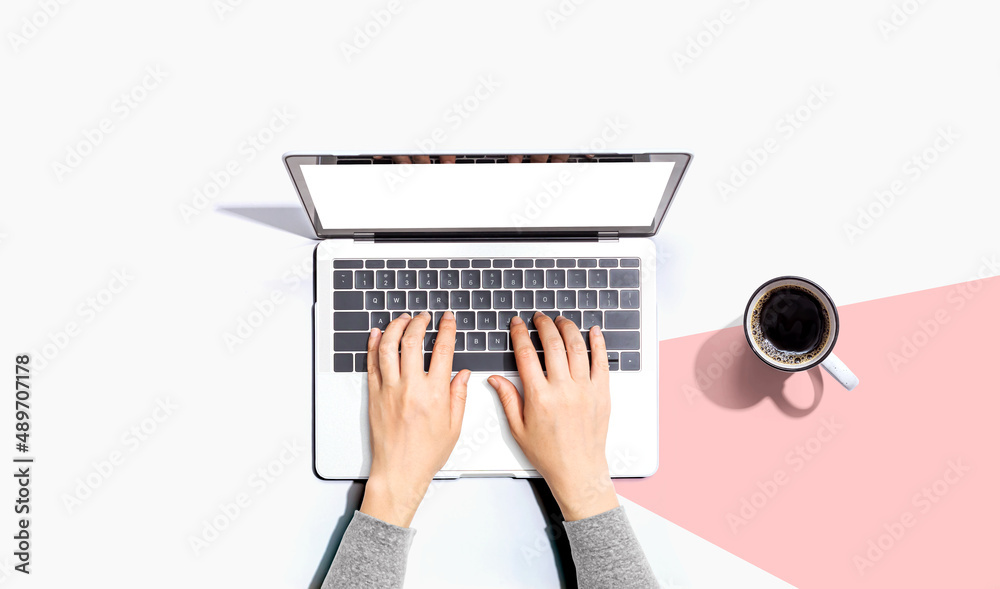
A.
x: 607, y: 553
x: 372, y: 554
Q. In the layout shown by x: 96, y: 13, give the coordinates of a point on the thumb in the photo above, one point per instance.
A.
x: 459, y: 392
x: 513, y: 404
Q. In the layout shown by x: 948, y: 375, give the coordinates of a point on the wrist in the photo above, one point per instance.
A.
x: 587, y: 497
x: 391, y: 500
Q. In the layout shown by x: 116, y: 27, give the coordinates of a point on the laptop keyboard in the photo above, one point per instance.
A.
x: 484, y: 294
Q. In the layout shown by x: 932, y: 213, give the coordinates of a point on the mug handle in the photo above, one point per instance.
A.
x: 840, y: 372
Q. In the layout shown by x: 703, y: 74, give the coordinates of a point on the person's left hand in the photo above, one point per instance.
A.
x: 415, y: 417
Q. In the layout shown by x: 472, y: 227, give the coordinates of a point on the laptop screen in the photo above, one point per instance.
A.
x: 497, y: 194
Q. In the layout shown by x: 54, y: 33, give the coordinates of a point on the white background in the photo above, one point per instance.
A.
x: 196, y: 269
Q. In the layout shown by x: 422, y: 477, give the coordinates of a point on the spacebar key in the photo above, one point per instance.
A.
x: 495, y: 362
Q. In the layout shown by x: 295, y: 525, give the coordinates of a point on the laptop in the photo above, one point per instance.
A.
x: 487, y: 237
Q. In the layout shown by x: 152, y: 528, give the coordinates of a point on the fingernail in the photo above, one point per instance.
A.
x: 596, y: 329
x: 492, y: 380
x: 373, y: 332
x: 466, y: 377
x: 425, y: 314
x: 515, y: 320
x: 404, y: 316
x: 448, y: 315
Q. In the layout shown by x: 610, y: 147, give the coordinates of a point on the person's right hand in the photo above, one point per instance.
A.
x: 561, y: 423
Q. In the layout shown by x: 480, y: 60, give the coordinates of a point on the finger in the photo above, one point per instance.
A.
x: 374, y: 376
x: 552, y: 345
x: 539, y: 158
x: 524, y: 353
x: 459, y: 392
x: 599, y: 372
x: 513, y: 403
x: 401, y: 159
x: 446, y: 159
x: 560, y: 159
x: 411, y: 351
x: 576, y: 349
x: 421, y: 159
x: 388, y: 348
x: 515, y: 159
x: 444, y: 347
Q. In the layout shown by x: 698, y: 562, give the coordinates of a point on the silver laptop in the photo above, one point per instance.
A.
x: 487, y: 237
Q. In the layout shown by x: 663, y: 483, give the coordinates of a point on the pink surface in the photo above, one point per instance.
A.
x: 894, y: 484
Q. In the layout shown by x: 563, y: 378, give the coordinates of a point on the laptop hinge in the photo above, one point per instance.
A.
x: 364, y: 237
x: 607, y: 236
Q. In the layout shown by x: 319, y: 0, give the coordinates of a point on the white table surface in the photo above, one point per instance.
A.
x: 190, y: 281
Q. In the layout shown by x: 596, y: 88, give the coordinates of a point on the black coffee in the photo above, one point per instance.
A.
x: 790, y: 324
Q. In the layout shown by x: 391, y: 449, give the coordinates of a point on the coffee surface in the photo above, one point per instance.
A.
x: 790, y: 324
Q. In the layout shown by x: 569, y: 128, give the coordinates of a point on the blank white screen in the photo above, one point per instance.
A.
x: 452, y: 196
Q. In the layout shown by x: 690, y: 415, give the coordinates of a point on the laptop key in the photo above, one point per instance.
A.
x: 486, y: 320
x: 395, y: 300
x: 417, y: 263
x: 361, y: 362
x: 592, y: 318
x: 528, y: 318
x: 576, y: 279
x: 587, y: 299
x: 459, y: 342
x: 503, y: 299
x: 481, y: 263
x: 449, y: 279
x: 492, y: 278
x: 566, y: 299
x: 624, y: 278
x: 416, y: 300
x: 439, y: 263
x: 342, y: 279
x: 608, y: 299
x: 575, y: 316
x: 513, y: 279
x: 429, y: 338
x: 489, y: 362
x: 364, y: 279
x: 534, y: 278
x: 460, y: 299
x: 523, y: 263
x: 374, y: 263
x: 497, y: 341
x: 504, y: 319
x: 348, y: 321
x: 343, y: 362
x: 460, y: 263
x: 350, y: 342
x: 630, y: 262
x: 437, y: 299
x: 481, y: 299
x: 621, y: 340
x: 536, y: 340
x: 629, y: 299
x: 523, y: 299
x: 349, y: 300
x: 502, y: 263
x: 565, y: 263
x: 608, y: 263
x: 587, y: 263
x: 375, y: 300
x: 395, y: 264
x: 597, y: 278
x: 630, y: 361
x: 385, y: 279
x: 612, y: 361
x: 427, y: 279
x: 396, y: 314
x: 348, y: 264
x: 545, y: 263
x: 621, y: 320
x: 475, y: 341
x: 545, y: 299
x: 555, y: 279
x: 406, y: 278
x: 551, y: 314
x: 465, y: 320
x: 380, y: 319
x: 470, y: 279
x: 436, y: 320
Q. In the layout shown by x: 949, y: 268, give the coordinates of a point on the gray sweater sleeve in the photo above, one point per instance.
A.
x: 607, y: 553
x: 371, y: 555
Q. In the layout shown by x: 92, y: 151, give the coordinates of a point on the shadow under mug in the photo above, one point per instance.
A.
x: 825, y: 358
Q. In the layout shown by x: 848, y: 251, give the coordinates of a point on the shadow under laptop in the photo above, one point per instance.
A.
x: 288, y: 218
x: 555, y: 532
x: 729, y: 374
x: 354, y: 496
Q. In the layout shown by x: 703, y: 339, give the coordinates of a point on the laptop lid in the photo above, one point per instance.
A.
x: 576, y: 196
